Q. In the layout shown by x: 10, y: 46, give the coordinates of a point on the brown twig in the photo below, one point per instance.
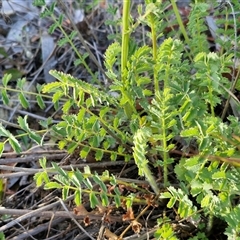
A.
x: 19, y: 172
x: 34, y: 157
x: 30, y: 152
x: 74, y: 220
x: 25, y: 214
x: 29, y: 171
x: 23, y: 112
x: 40, y: 228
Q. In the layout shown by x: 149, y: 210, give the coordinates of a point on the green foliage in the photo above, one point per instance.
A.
x: 101, y: 189
x: 158, y: 94
x: 185, y: 208
x: 140, y: 140
x: 197, y: 27
x: 2, y: 237
x: 165, y: 230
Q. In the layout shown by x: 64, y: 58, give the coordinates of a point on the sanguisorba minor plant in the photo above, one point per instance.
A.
x: 162, y: 92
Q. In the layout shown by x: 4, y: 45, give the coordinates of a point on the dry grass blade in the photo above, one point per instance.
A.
x: 64, y: 8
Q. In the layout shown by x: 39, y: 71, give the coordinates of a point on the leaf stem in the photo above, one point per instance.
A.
x: 180, y: 22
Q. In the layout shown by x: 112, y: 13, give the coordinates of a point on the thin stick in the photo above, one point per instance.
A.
x: 234, y: 81
x: 25, y: 214
x: 23, y: 113
x: 74, y: 220
x: 40, y: 228
x: 32, y: 158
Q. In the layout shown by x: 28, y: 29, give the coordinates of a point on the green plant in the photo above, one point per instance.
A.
x: 2, y: 237
x: 165, y: 230
x: 154, y: 98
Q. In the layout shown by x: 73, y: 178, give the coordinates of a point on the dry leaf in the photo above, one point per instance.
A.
x: 103, y: 4
x: 150, y: 199
x: 129, y: 215
x: 13, y: 6
x: 48, y: 46
x: 80, y: 210
x: 136, y: 226
x: 111, y: 236
x: 86, y: 221
x: 101, y: 209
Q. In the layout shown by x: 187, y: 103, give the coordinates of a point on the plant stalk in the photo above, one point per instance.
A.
x: 154, y: 50
x: 125, y: 36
